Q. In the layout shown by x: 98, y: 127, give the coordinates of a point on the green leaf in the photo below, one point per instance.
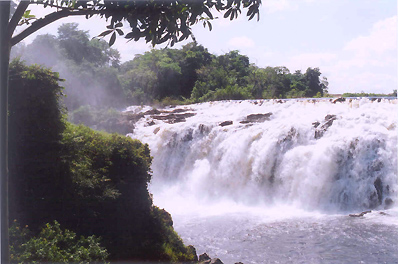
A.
x: 103, y: 34
x: 208, y: 13
x: 210, y: 26
x: 227, y: 13
x: 112, y: 40
x: 129, y: 35
x: 232, y: 15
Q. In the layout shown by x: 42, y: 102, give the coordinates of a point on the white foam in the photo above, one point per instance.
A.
x: 276, y: 163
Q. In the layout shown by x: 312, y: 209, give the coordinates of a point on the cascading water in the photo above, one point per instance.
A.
x: 229, y: 171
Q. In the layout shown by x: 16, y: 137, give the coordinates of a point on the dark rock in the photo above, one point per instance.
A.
x: 388, y: 203
x: 226, y: 123
x: 216, y: 261
x: 180, y: 110
x: 204, y: 257
x: 361, y: 214
x: 152, y: 112
x: 192, y: 251
x: 326, y: 124
x: 188, y: 136
x: 203, y: 129
x: 238, y: 262
x: 328, y: 117
x: 156, y: 130
x: 340, y: 99
x: 379, y: 189
x: 288, y: 138
x: 256, y: 118
x: 316, y: 124
x: 173, y: 118
x: 150, y: 123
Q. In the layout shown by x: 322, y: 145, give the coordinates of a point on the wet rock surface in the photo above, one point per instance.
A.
x: 256, y: 118
x: 173, y: 118
x: 338, y: 100
x: 322, y: 127
x: 360, y: 214
x: 205, y: 259
x: 226, y: 123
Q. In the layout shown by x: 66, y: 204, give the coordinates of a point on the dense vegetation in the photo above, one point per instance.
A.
x: 91, y: 183
x: 54, y: 245
x: 94, y: 75
x: 363, y: 94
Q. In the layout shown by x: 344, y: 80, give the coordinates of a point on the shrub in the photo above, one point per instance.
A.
x: 54, y: 245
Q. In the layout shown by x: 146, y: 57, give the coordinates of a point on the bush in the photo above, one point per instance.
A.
x: 54, y: 245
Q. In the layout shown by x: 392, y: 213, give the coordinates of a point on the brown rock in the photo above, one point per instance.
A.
x: 326, y: 124
x: 173, y: 118
x: 256, y: 118
x: 204, y: 257
x: 340, y: 99
x: 226, y: 123
x: 361, y: 214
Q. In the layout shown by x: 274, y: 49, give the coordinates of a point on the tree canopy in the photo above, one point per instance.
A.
x: 155, y: 21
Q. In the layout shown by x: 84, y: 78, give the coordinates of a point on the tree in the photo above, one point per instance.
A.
x: 154, y: 21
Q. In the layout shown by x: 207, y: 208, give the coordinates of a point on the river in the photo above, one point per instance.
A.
x: 274, y: 181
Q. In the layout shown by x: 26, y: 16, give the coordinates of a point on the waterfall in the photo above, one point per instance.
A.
x: 323, y: 155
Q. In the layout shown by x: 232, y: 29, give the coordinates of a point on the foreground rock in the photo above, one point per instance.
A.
x: 205, y: 259
x: 361, y: 214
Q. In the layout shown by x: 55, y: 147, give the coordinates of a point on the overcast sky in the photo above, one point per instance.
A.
x: 353, y: 42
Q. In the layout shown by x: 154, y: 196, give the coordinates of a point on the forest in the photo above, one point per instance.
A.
x: 180, y: 76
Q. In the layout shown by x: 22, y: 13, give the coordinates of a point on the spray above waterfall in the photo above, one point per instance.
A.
x: 313, y: 155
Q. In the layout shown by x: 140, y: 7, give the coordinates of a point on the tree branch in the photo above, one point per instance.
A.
x: 21, y: 8
x: 42, y: 22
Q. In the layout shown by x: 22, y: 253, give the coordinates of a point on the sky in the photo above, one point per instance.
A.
x: 352, y: 42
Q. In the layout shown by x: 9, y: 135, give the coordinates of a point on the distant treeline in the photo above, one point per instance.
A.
x: 363, y: 94
x: 94, y: 75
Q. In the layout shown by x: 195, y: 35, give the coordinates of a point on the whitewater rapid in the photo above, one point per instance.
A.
x: 352, y: 166
x: 278, y: 189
